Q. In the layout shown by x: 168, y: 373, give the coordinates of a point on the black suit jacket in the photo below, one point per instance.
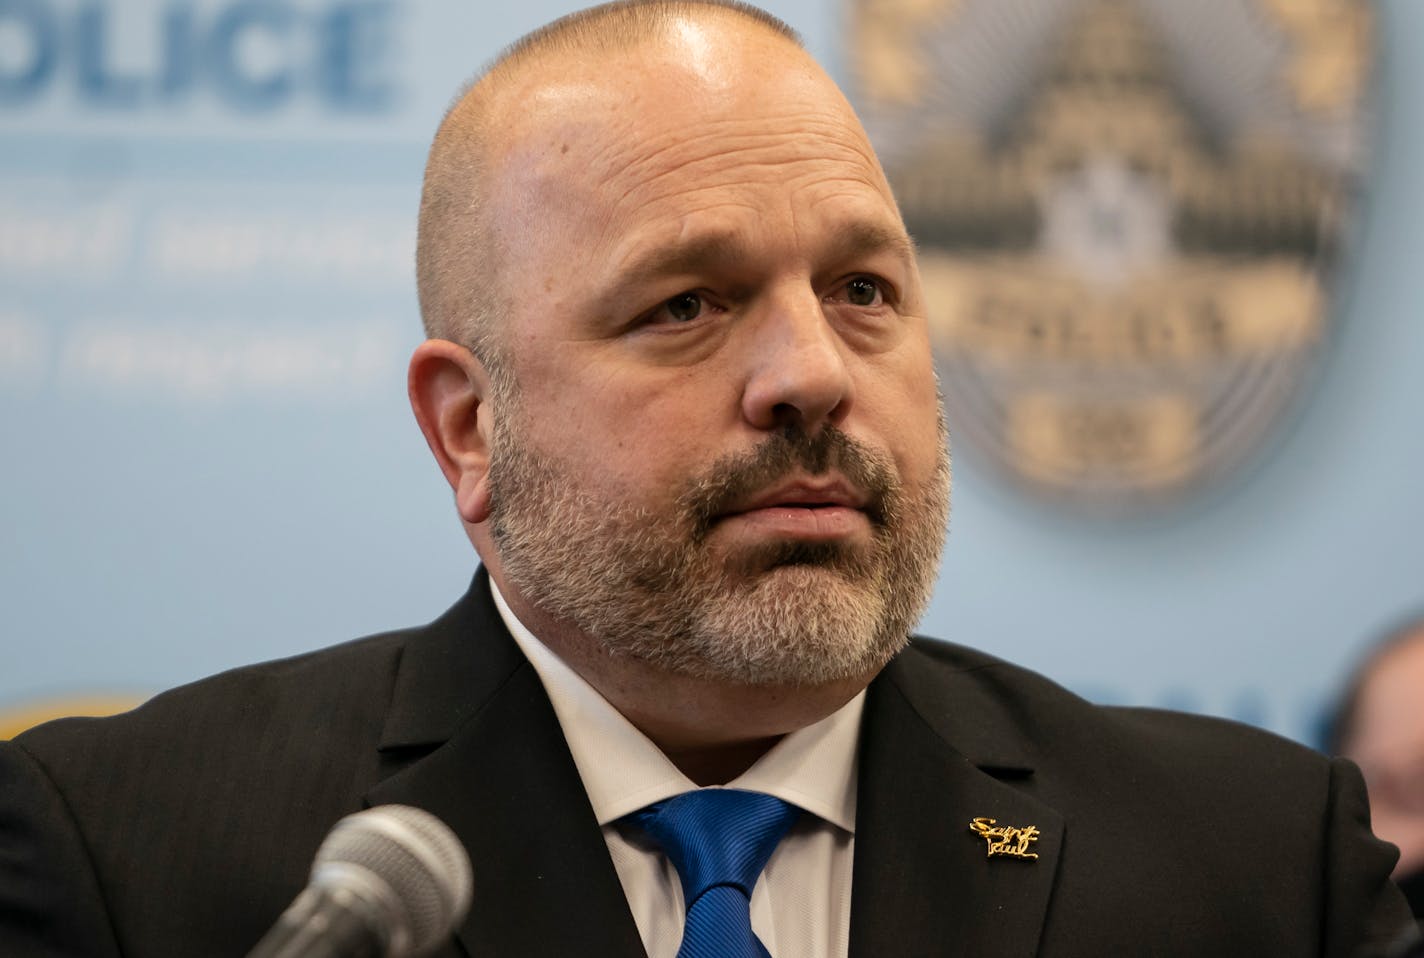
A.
x: 187, y: 825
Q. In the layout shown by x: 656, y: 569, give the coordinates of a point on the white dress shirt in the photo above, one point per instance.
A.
x: 801, y: 903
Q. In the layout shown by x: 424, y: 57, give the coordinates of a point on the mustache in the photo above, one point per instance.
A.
x: 737, y: 476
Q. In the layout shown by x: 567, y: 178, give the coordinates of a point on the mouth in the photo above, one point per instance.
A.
x: 808, y: 510
x: 829, y: 493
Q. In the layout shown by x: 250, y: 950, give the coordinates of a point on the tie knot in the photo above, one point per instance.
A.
x: 717, y: 836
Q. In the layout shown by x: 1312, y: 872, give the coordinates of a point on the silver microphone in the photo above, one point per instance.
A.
x: 390, y: 882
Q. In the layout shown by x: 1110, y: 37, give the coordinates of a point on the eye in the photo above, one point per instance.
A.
x: 863, y: 291
x: 682, y: 308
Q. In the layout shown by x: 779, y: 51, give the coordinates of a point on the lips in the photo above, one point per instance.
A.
x: 803, y: 510
x: 793, y: 485
x: 804, y: 494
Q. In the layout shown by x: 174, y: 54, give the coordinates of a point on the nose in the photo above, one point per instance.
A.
x: 797, y: 369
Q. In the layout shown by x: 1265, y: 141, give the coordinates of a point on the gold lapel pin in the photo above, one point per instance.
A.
x: 1008, y: 840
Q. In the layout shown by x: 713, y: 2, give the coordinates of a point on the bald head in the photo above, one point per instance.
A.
x: 1381, y: 727
x: 458, y: 244
x: 664, y: 223
x: 1399, y: 652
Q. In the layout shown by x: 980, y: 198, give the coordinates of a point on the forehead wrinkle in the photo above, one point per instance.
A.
x: 749, y: 183
x: 640, y: 155
x: 858, y: 228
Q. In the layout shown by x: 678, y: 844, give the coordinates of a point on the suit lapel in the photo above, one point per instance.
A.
x: 472, y: 738
x: 935, y: 756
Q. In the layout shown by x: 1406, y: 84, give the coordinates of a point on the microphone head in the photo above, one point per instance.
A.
x: 408, y: 865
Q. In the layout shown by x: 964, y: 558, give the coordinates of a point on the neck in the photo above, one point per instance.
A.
x: 711, y: 730
x: 719, y: 764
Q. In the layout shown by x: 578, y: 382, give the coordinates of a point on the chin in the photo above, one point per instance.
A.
x: 797, y: 625
x: 842, y: 562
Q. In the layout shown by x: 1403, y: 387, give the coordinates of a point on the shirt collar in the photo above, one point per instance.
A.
x: 813, y: 768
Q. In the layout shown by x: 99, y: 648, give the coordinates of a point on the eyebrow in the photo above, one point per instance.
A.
x: 864, y: 238
x: 858, y: 239
x: 687, y: 256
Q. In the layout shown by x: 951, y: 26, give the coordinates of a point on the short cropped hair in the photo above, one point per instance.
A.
x: 456, y: 278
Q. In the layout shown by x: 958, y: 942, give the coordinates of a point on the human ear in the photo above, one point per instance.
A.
x: 450, y: 395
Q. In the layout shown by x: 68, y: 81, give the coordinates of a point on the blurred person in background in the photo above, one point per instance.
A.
x: 1380, y: 725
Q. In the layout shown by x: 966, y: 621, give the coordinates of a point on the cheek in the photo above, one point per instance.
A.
x: 655, y: 419
x: 629, y: 453
x: 903, y: 403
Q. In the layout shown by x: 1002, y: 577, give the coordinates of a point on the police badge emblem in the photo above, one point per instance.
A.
x: 1128, y: 212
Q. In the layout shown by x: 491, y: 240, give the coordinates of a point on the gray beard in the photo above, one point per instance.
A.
x: 645, y: 585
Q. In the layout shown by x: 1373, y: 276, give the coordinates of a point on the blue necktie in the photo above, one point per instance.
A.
x: 719, y: 839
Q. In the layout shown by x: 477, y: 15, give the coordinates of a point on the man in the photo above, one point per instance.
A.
x: 1380, y: 726
x: 680, y: 383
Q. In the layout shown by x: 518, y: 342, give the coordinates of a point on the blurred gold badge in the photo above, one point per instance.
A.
x: 1128, y: 212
